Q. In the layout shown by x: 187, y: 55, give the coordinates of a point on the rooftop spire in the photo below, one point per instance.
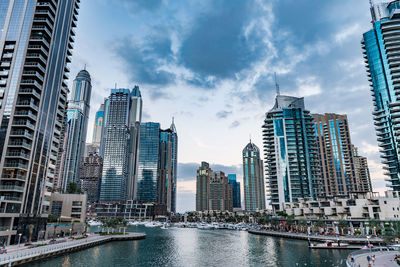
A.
x: 277, y: 85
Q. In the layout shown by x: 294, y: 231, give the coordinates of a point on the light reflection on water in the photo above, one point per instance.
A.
x: 193, y: 247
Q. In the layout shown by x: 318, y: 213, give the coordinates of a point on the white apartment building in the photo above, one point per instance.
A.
x: 357, y: 206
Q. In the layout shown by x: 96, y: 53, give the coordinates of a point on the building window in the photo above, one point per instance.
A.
x: 56, y: 207
x: 77, y: 203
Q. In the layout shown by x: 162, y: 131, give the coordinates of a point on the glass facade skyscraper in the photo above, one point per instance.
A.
x: 291, y: 155
x: 75, y: 129
x: 253, y: 179
x: 123, y: 109
x: 236, y: 199
x: 36, y: 40
x: 148, y: 165
x: 381, y: 53
x: 157, y: 166
x: 98, y: 126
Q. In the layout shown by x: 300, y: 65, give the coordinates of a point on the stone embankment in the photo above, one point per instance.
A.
x: 318, y: 238
x: 24, y: 255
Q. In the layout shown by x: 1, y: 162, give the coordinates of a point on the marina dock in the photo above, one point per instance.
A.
x: 26, y: 255
x: 318, y: 238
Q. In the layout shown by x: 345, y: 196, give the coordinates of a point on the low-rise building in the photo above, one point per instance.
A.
x: 68, y: 207
x: 131, y: 210
x: 356, y: 206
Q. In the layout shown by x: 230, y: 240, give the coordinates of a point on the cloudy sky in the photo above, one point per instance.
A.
x: 210, y: 64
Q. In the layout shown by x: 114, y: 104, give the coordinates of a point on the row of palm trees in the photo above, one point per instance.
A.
x: 115, y: 223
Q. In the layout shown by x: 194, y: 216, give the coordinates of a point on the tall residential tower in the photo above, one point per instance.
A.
x: 123, y: 109
x: 253, y: 178
x: 36, y: 40
x: 291, y: 155
x: 381, y: 53
x: 75, y: 129
x: 336, y: 157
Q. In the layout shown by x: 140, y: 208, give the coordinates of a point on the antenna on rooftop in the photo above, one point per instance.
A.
x: 277, y: 85
x: 115, y: 85
x: 84, y: 67
x: 370, y: 3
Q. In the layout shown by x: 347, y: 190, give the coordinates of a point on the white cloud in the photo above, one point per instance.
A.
x: 346, y: 33
x: 308, y: 86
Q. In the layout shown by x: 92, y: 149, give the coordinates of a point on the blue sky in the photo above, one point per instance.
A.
x: 210, y: 64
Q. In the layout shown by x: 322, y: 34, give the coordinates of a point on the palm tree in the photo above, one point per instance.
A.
x: 343, y: 224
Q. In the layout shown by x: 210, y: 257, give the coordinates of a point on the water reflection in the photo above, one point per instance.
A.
x: 193, y: 247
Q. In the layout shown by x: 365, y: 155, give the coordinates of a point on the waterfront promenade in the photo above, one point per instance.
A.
x: 318, y: 238
x: 17, y: 255
x: 382, y: 259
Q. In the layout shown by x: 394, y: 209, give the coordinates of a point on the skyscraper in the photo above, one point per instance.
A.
x: 203, y: 176
x: 157, y: 166
x: 35, y: 47
x: 220, y: 193
x: 122, y: 110
x: 76, y: 129
x: 90, y: 176
x: 98, y: 126
x: 236, y: 199
x: 213, y: 191
x: 336, y: 158
x: 291, y: 155
x: 253, y: 178
x: 380, y: 50
x: 362, y: 172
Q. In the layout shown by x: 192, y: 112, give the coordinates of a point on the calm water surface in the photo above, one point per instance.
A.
x: 193, y: 247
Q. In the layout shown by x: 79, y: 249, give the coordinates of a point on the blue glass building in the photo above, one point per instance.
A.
x: 98, y: 126
x: 75, y: 130
x: 36, y: 40
x: 253, y: 178
x: 381, y: 53
x: 120, y: 134
x: 236, y: 199
x: 157, y: 166
x: 291, y: 155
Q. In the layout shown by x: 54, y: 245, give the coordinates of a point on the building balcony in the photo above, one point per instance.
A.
x: 33, y: 74
x: 10, y: 198
x: 37, y: 57
x: 34, y: 65
x: 26, y: 104
x: 12, y: 188
x: 15, y: 177
x: 22, y: 133
x: 40, y: 39
x: 23, y: 123
x: 18, y: 165
x: 29, y: 91
x: 20, y: 144
x: 25, y: 113
x: 15, y: 154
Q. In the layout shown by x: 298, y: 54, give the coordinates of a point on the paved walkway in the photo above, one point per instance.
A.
x: 15, y: 253
x: 382, y: 259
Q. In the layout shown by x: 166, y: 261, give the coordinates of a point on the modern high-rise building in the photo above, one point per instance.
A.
x: 90, y: 176
x: 98, y: 126
x: 362, y: 172
x: 253, y: 178
x: 157, y: 166
x: 291, y: 155
x: 168, y: 168
x: 36, y: 40
x: 336, y: 159
x: 220, y: 193
x: 236, y: 199
x: 213, y: 191
x: 380, y: 49
x: 123, y: 109
x: 203, y: 177
x: 75, y: 129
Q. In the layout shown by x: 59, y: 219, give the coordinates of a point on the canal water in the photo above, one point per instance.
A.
x: 194, y: 247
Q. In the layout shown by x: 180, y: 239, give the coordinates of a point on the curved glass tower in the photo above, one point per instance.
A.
x: 75, y: 129
x: 381, y: 49
x: 253, y: 178
x: 290, y: 150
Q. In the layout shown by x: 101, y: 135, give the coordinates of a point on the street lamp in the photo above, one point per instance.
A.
x: 369, y: 245
x: 19, y: 239
x: 70, y: 232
